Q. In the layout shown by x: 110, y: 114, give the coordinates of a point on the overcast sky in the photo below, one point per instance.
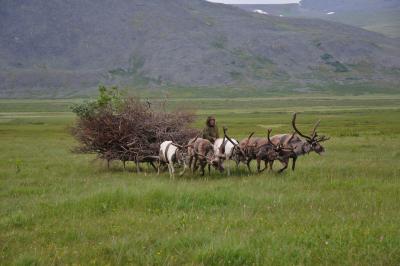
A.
x: 255, y: 1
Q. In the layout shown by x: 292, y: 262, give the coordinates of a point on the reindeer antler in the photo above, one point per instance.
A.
x: 286, y: 146
x: 172, y: 138
x: 290, y: 139
x: 177, y: 145
x: 235, y: 144
x: 314, y: 131
x: 295, y: 128
x: 227, y: 137
x: 269, y: 135
x: 223, y: 144
x: 314, y: 135
x: 174, y: 142
x: 191, y: 145
x: 323, y: 138
x: 248, y: 139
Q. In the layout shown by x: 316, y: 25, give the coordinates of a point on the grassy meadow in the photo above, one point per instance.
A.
x: 343, y: 208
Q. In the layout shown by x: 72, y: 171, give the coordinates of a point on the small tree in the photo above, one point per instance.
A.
x: 108, y: 98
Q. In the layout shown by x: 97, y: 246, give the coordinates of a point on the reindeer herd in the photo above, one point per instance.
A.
x: 201, y: 153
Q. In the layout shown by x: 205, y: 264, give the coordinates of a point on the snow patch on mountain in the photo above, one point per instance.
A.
x: 259, y: 11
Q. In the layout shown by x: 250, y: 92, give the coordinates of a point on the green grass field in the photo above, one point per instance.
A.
x: 342, y: 208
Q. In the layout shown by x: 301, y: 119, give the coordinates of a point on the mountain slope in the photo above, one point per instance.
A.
x: 349, y: 5
x: 377, y: 15
x: 63, y: 48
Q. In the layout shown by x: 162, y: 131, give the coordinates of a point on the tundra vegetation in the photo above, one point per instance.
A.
x: 341, y: 208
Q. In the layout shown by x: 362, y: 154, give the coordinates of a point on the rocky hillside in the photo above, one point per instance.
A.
x: 65, y: 48
x: 376, y: 15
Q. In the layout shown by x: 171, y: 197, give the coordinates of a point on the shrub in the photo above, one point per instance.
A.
x: 127, y: 129
x: 326, y: 57
x: 108, y: 98
x: 339, y: 67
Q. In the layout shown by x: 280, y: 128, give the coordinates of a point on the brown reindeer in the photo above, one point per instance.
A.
x: 299, y: 146
x: 261, y: 149
x: 202, y: 151
x: 240, y: 150
x: 269, y: 152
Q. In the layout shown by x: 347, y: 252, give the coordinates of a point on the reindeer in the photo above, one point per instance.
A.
x: 240, y: 150
x: 261, y: 149
x: 172, y: 153
x: 269, y: 152
x: 225, y: 150
x: 298, y: 145
x: 202, y: 151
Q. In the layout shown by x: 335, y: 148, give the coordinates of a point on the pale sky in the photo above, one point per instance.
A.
x: 255, y: 1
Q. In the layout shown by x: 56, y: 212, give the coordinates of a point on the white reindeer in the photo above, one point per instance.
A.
x: 172, y: 153
x: 224, y: 149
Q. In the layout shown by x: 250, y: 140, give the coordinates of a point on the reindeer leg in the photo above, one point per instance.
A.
x: 172, y: 171
x: 265, y: 166
x: 248, y: 165
x: 154, y: 167
x: 195, y: 165
x: 145, y: 169
x: 237, y: 165
x: 258, y: 165
x: 271, y: 163
x: 137, y: 167
x: 190, y: 163
x: 209, y: 169
x: 228, y: 166
x: 169, y: 171
x: 294, y: 163
x: 285, y: 165
x: 158, y: 167
x: 202, y: 166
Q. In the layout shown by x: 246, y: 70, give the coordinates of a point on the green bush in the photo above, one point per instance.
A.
x: 108, y: 97
x: 85, y: 109
x: 339, y: 67
x: 326, y: 57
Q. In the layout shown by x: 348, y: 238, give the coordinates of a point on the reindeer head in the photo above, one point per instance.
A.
x: 217, y: 161
x: 182, y: 154
x: 204, y: 150
x: 238, y: 154
x: 312, y: 142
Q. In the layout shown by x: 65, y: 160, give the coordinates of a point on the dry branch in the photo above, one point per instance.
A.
x: 132, y: 133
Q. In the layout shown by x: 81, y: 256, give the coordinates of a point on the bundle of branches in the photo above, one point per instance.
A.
x: 132, y: 132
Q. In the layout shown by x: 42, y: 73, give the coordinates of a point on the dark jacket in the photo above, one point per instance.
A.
x: 210, y: 132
